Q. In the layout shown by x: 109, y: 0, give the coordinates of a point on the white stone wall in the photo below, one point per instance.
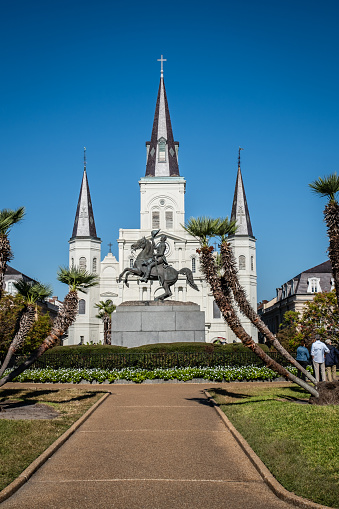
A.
x: 159, y: 193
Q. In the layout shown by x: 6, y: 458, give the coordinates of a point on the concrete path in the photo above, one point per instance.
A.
x: 149, y: 447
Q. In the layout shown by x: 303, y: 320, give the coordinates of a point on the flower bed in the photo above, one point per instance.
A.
x: 218, y: 374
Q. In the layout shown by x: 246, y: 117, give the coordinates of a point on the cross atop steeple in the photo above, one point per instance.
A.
x: 239, y: 157
x: 85, y: 158
x: 162, y: 60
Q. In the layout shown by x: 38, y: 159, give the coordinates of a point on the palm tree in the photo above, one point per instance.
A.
x: 328, y: 187
x: 32, y: 292
x: 7, y: 219
x: 229, y: 266
x: 223, y: 298
x: 77, y: 280
x: 106, y: 309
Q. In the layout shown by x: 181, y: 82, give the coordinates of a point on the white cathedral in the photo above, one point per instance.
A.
x: 162, y: 206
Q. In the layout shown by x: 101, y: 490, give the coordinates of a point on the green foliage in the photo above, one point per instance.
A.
x: 183, y: 374
x: 289, y: 335
x: 76, y: 279
x: 150, y: 356
x: 10, y: 217
x: 288, y: 437
x: 319, y: 316
x: 326, y: 186
x: 10, y: 310
x: 202, y: 228
x: 106, y: 308
x: 38, y: 333
x: 33, y: 291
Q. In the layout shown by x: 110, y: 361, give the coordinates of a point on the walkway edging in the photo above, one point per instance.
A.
x: 40, y: 460
x: 268, y: 478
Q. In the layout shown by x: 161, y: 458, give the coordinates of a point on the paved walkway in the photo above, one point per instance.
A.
x: 149, y: 447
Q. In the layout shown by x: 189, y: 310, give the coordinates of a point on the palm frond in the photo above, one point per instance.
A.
x: 32, y: 291
x: 10, y: 217
x: 226, y: 228
x: 77, y: 279
x: 202, y: 228
x: 327, y: 186
x: 105, y: 307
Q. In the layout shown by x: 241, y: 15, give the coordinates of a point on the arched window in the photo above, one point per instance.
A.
x: 72, y: 262
x: 252, y: 263
x: 242, y: 262
x: 82, y: 307
x: 94, y: 265
x: 162, y: 150
x: 169, y: 219
x: 155, y: 219
x: 82, y: 263
x: 131, y: 263
x: 193, y: 265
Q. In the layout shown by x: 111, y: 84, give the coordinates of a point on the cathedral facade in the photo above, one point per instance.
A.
x: 162, y: 207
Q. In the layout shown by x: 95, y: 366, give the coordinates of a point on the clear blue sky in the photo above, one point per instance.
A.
x: 262, y: 75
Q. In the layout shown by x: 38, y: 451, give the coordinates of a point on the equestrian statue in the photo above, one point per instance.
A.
x: 151, y: 264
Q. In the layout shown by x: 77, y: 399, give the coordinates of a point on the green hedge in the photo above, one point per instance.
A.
x: 169, y: 355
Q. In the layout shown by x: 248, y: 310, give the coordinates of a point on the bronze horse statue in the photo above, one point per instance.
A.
x: 165, y: 274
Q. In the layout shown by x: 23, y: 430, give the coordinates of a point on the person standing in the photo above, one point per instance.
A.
x: 331, y: 361
x: 318, y: 352
x: 302, y: 357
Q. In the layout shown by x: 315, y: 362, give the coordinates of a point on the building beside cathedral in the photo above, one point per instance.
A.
x: 162, y: 206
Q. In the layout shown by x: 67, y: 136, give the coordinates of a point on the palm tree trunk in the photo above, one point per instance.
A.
x: 229, y: 265
x: 109, y: 331
x: 226, y: 308
x: 26, y: 322
x: 64, y: 319
x: 5, y: 257
x: 331, y: 214
x: 105, y: 320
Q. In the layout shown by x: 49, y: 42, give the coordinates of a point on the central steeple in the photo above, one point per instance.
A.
x: 162, y: 150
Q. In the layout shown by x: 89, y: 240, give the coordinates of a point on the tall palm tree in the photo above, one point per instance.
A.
x: 7, y: 219
x: 328, y: 187
x: 77, y: 280
x: 222, y: 295
x: 32, y: 292
x: 229, y: 266
x: 106, y: 308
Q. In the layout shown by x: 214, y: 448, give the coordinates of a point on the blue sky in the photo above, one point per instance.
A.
x: 262, y: 75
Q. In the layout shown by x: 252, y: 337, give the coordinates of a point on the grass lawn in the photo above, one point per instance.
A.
x: 21, y: 441
x: 299, y: 443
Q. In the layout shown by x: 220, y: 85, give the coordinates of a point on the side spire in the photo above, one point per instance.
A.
x: 162, y: 159
x: 84, y: 224
x: 240, y: 212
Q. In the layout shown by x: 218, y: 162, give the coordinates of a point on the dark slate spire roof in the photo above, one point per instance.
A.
x: 240, y: 212
x: 162, y: 128
x: 84, y: 225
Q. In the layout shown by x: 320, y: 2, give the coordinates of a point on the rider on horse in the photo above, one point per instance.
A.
x: 158, y: 257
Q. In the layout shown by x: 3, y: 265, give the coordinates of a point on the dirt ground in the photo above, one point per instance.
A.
x: 23, y: 410
x: 328, y: 394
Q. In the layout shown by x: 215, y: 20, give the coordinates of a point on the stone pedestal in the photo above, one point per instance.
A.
x: 137, y: 323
